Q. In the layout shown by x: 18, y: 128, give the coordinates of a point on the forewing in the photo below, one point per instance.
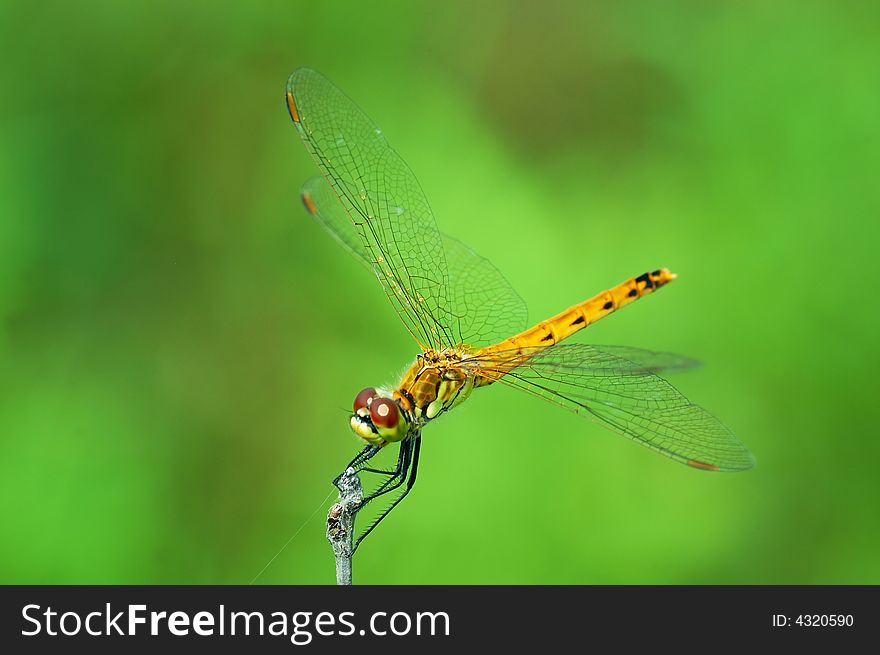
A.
x: 485, y: 309
x: 619, y: 387
x: 383, y: 200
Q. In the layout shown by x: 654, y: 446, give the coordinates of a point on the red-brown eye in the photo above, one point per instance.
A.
x: 384, y: 413
x: 363, y: 398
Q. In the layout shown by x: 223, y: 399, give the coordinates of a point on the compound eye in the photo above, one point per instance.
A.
x: 364, y: 398
x: 384, y: 413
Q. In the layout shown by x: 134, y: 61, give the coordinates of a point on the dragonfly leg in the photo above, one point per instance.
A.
x: 412, y: 464
x: 380, y: 471
x: 399, y: 470
x: 357, y: 463
x: 398, y: 475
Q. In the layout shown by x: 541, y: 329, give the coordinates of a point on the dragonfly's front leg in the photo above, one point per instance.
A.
x: 357, y: 463
x: 404, y: 472
x: 411, y: 463
x: 398, y: 475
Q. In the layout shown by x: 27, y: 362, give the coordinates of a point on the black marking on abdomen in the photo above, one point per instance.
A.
x: 644, y: 277
x: 579, y: 319
x: 632, y: 293
x: 656, y: 273
x: 608, y: 305
x: 547, y: 338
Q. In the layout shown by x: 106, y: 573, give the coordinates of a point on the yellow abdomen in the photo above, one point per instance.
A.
x: 576, y: 317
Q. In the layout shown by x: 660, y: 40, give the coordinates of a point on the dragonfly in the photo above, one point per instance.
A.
x: 469, y: 323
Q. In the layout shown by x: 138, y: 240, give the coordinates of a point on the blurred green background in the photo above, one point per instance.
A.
x: 180, y: 345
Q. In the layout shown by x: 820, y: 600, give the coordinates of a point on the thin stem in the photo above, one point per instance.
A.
x: 340, y: 523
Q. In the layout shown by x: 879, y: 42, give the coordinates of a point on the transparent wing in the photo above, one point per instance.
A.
x: 487, y: 309
x: 484, y: 307
x: 382, y: 199
x: 322, y: 202
x: 618, y: 387
x: 639, y: 359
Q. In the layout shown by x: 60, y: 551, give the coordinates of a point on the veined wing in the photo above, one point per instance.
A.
x: 484, y: 307
x: 646, y: 361
x: 383, y: 200
x: 618, y: 387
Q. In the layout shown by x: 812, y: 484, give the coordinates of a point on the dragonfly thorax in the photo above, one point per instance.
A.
x: 435, y: 383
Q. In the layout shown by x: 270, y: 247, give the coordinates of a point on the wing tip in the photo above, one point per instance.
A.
x: 291, y: 106
x: 703, y: 466
x: 308, y: 202
x: 744, y: 465
x: 290, y: 95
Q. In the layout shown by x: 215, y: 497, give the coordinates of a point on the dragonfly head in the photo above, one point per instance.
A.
x: 378, y: 418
